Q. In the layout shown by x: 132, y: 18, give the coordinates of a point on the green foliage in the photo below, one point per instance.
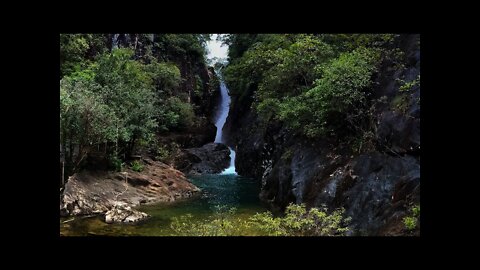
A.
x: 85, y: 118
x: 185, y: 46
x: 163, y: 152
x: 110, y: 101
x: 116, y: 163
x: 318, y: 84
x: 401, y: 103
x: 73, y: 48
x: 363, y: 143
x: 407, y: 86
x: 238, y: 44
x: 287, y: 155
x: 336, y: 102
x: 166, y: 76
x: 136, y: 166
x: 411, y: 220
x: 78, y: 50
x: 416, y: 211
x: 293, y: 72
x: 222, y: 223
x: 129, y: 92
x: 241, y: 75
x: 177, y: 114
x: 410, y: 223
x: 297, y: 222
x: 119, y: 98
x: 198, y: 87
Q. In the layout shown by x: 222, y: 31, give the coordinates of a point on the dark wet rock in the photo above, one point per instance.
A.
x: 211, y: 158
x: 400, y: 133
x: 96, y: 192
x: 370, y: 200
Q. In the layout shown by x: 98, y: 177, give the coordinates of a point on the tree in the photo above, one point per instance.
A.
x: 128, y: 90
x: 111, y: 101
x: 78, y: 51
x: 336, y: 102
x: 85, y: 119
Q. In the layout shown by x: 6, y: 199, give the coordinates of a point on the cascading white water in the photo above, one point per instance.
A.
x: 222, y: 112
x: 231, y: 169
x: 216, y: 51
x: 224, y: 108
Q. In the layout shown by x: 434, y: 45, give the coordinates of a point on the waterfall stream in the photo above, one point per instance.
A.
x: 220, y: 122
x: 217, y: 52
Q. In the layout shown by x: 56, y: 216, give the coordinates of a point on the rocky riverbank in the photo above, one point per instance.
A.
x: 115, y: 193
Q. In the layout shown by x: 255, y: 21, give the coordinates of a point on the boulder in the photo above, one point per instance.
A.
x: 211, y: 158
x: 121, y: 212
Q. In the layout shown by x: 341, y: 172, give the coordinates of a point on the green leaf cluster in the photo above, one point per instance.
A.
x: 297, y: 221
x: 313, y: 83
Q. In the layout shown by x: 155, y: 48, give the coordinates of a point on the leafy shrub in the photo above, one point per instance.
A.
x: 166, y: 76
x: 297, y: 222
x: 416, y: 211
x: 407, y: 86
x: 410, y: 223
x: 77, y: 51
x: 177, y: 114
x: 137, y: 166
x: 222, y: 223
x: 364, y: 143
x: 116, y: 163
x: 335, y: 104
x: 161, y: 153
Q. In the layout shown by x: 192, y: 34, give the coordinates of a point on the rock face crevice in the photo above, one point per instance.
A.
x: 115, y: 193
x: 376, y: 185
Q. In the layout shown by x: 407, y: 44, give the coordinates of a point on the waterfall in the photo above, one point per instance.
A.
x: 216, y: 51
x: 223, y: 110
x: 231, y: 169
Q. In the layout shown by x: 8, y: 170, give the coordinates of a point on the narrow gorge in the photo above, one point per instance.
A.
x: 240, y: 134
